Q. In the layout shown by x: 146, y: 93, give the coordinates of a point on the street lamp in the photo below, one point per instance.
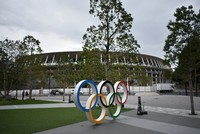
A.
x: 49, y: 81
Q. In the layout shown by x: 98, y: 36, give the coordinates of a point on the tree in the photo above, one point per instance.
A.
x: 14, y: 62
x: 8, y: 53
x: 182, y: 42
x: 188, y: 59
x: 64, y: 72
x: 92, y: 67
x: 30, y: 46
x: 113, y: 32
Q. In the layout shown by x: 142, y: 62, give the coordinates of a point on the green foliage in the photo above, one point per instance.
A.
x: 8, y: 54
x: 118, y: 72
x: 64, y: 71
x: 182, y: 46
x: 139, y: 76
x: 30, y: 45
x: 113, y: 32
x: 91, y: 67
x: 182, y: 31
x: 168, y: 74
x: 16, y: 67
x: 190, y: 55
x: 9, y: 50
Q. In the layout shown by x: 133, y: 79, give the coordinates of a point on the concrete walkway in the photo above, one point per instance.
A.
x: 129, y: 122
x: 166, y: 114
x: 172, y: 111
x: 30, y: 106
x: 179, y: 102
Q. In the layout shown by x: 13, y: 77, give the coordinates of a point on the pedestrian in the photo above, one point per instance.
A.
x: 26, y: 93
x: 23, y: 93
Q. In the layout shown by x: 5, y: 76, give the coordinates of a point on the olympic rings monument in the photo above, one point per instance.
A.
x: 97, y: 98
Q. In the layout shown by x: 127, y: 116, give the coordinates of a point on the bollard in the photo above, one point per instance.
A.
x: 70, y: 101
x: 140, y: 111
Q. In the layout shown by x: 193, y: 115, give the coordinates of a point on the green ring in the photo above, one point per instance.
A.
x: 109, y: 108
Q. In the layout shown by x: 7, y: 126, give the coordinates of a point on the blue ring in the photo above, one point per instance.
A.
x: 93, y: 85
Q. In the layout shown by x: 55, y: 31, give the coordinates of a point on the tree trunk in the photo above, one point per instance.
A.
x: 4, y: 82
x: 195, y: 81
x: 16, y: 94
x: 107, y: 70
x: 31, y: 84
x: 63, y: 93
x: 30, y: 94
x: 1, y: 94
x: 107, y: 48
x: 41, y: 90
x: 186, y: 88
x: 191, y: 94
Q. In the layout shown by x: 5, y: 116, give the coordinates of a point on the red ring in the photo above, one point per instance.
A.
x: 122, y: 102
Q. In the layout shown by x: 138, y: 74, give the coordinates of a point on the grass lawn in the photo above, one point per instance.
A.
x: 28, y: 101
x: 26, y: 121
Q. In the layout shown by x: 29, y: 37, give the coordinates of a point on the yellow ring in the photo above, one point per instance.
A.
x: 103, y: 114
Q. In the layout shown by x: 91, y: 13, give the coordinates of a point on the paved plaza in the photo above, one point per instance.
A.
x: 166, y: 114
x: 129, y: 122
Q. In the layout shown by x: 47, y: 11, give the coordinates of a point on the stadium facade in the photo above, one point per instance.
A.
x: 152, y: 66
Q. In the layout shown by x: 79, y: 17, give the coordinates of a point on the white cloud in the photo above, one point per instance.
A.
x: 49, y: 42
x: 60, y: 24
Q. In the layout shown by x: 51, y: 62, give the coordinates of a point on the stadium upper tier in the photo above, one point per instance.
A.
x: 50, y: 59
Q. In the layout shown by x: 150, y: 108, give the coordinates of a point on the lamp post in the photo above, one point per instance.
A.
x: 49, y: 81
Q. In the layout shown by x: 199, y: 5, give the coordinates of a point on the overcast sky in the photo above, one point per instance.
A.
x: 60, y: 24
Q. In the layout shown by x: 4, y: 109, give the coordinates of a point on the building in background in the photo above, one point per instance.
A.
x: 143, y: 72
x: 150, y: 66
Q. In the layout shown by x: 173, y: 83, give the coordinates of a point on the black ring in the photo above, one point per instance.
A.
x: 111, y: 88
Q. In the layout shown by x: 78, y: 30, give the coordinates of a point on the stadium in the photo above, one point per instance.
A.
x: 151, y: 69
